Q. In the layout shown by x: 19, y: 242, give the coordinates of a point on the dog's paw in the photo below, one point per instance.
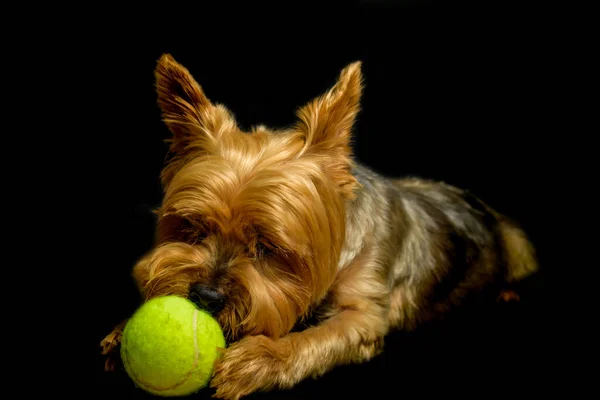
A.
x: 255, y: 363
x: 109, y: 347
x: 110, y: 342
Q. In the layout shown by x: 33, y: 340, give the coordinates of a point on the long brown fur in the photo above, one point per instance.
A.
x: 286, y: 225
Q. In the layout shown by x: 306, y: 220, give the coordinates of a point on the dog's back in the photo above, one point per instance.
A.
x: 442, y: 244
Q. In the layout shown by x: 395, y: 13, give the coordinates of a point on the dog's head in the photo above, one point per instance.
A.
x: 252, y: 223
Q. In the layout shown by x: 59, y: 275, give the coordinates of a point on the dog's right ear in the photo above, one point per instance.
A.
x: 195, y: 123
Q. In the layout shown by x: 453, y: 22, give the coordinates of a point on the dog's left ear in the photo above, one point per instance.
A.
x: 327, y: 124
x: 197, y: 125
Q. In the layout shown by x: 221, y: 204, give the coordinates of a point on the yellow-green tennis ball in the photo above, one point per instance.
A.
x: 169, y: 346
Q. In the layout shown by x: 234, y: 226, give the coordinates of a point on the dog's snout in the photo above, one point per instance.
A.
x: 207, y: 298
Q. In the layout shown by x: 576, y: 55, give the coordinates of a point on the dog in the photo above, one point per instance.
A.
x: 269, y: 229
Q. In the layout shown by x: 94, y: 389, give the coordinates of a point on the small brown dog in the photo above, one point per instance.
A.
x: 267, y: 228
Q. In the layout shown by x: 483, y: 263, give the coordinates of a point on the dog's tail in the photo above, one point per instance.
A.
x: 519, y: 253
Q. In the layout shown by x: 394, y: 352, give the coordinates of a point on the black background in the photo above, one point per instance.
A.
x: 458, y: 92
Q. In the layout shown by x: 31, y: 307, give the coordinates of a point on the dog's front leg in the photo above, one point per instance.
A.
x: 352, y: 334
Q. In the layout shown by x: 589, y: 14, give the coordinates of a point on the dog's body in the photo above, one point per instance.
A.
x: 268, y: 228
x: 433, y: 244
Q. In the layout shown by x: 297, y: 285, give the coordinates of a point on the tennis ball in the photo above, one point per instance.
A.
x: 169, y: 346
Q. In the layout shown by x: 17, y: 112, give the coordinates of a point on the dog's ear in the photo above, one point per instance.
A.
x: 327, y: 123
x: 195, y: 123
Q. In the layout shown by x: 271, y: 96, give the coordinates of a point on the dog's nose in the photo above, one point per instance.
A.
x: 207, y: 298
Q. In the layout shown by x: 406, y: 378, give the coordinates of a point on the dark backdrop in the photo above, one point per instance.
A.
x: 455, y: 92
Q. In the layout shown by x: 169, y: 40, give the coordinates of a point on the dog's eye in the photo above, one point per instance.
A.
x: 198, y: 235
x: 195, y: 231
x: 261, y: 248
x: 192, y: 230
x: 182, y: 228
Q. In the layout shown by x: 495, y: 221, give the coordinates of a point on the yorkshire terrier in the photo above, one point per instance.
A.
x: 267, y: 229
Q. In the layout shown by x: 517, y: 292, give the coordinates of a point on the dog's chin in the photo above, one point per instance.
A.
x: 236, y: 324
x: 233, y: 322
x: 267, y: 308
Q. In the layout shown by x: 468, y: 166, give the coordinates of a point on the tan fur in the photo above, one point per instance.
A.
x: 287, y: 226
x: 520, y: 254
